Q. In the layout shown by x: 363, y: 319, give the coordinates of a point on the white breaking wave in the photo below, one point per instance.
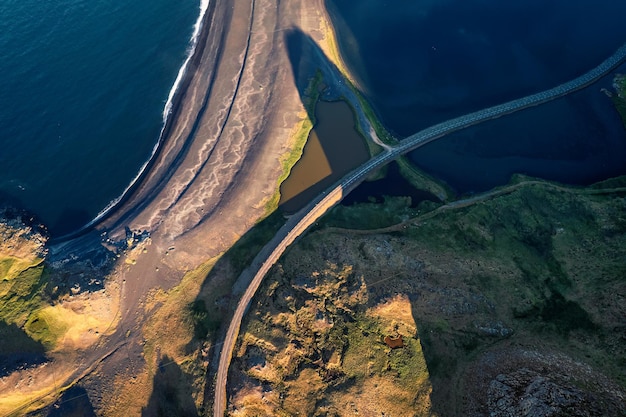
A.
x: 204, y: 5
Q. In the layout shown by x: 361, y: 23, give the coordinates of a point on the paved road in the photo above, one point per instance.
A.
x: 299, y: 222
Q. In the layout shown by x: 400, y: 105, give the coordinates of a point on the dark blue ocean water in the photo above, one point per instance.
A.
x: 425, y: 61
x: 83, y: 87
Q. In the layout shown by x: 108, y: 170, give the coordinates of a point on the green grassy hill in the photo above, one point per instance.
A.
x: 517, y: 292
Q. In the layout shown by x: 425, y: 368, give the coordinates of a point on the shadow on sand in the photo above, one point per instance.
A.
x: 171, y: 394
x: 73, y: 403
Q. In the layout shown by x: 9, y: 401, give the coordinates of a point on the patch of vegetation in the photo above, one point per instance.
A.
x: 541, y: 231
x: 204, y: 324
x: 243, y: 252
x: 23, y: 302
x: 21, y: 294
x: 370, y: 215
x: 11, y: 267
x: 45, y: 328
x: 322, y: 342
x: 22, y: 277
x: 422, y: 181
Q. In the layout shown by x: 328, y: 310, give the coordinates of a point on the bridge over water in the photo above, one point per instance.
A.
x: 299, y: 222
x: 434, y: 132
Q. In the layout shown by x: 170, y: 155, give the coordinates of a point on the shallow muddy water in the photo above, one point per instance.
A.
x: 334, y: 147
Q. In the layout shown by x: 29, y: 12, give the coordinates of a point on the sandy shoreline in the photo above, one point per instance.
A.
x: 232, y: 122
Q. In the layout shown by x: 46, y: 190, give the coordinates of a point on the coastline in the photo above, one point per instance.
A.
x: 155, y: 172
x: 330, y: 45
x: 170, y: 110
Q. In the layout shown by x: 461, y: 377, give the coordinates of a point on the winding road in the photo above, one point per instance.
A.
x: 299, y: 222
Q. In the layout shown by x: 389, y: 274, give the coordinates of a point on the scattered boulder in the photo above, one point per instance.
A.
x: 526, y: 393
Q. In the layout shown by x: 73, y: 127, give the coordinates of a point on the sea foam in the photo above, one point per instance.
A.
x: 204, y: 5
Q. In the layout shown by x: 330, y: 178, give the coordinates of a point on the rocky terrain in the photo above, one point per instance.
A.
x: 506, y: 304
x: 20, y: 236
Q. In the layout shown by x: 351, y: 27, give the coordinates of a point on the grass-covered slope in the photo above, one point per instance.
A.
x: 21, y: 268
x: 515, y: 295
